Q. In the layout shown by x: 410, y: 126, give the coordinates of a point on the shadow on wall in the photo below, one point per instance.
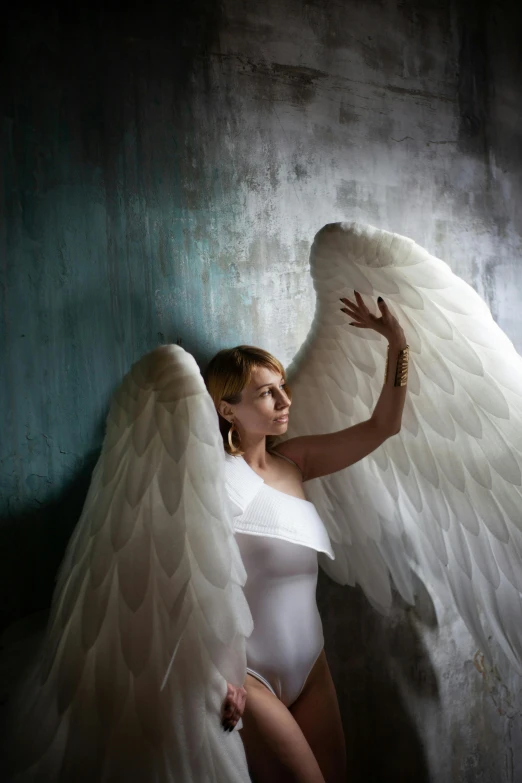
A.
x: 369, y: 656
x: 75, y: 71
x: 74, y: 79
x: 69, y: 380
x: 32, y: 546
x: 89, y: 351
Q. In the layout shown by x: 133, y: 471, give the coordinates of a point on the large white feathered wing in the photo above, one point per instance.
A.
x: 148, y: 619
x: 444, y: 495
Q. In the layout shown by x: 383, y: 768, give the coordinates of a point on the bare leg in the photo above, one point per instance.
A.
x: 276, y: 749
x: 317, y: 713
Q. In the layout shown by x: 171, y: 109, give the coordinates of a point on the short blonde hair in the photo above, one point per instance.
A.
x: 227, y: 374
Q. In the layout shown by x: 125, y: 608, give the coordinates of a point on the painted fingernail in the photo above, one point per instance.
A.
x: 352, y: 323
x: 380, y: 299
x: 355, y: 292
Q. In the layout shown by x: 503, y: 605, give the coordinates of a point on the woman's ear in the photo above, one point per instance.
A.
x: 225, y: 410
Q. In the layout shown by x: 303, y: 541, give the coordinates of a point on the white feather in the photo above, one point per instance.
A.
x: 149, y: 618
x: 454, y: 472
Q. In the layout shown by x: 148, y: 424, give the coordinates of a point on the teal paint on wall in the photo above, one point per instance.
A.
x: 163, y: 173
x: 107, y: 204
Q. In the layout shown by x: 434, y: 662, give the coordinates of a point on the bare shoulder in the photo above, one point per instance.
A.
x: 286, y: 475
x: 291, y: 450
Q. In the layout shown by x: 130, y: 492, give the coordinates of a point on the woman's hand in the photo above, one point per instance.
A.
x: 233, y: 706
x: 387, y: 324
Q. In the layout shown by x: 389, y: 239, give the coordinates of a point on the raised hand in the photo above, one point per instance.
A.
x: 233, y: 706
x: 387, y: 324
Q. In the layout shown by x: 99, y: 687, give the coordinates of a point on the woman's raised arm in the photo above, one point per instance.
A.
x: 319, y: 455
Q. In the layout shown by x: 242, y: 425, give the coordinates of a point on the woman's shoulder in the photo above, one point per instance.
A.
x: 287, y: 452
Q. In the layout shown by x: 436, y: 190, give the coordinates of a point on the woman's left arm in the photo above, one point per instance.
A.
x: 319, y: 455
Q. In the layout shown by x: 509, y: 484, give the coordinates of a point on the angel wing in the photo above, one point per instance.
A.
x: 444, y: 495
x: 148, y: 619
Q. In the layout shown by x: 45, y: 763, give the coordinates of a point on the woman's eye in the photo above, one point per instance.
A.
x: 269, y: 391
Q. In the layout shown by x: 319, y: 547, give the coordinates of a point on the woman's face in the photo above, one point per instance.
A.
x: 264, y: 405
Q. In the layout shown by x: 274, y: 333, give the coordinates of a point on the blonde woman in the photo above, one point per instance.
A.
x: 185, y: 603
x: 292, y: 728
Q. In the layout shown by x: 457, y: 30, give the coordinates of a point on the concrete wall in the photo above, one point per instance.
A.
x: 163, y: 174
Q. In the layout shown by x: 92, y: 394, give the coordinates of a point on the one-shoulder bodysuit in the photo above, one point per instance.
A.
x: 279, y: 537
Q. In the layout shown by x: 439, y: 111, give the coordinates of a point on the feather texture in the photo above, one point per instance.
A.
x: 447, y: 489
x: 149, y: 619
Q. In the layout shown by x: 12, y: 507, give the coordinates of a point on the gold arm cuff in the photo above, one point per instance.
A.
x: 401, y: 370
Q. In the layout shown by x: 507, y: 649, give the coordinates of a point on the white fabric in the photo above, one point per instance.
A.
x: 281, y: 593
x: 262, y: 510
x: 279, y: 536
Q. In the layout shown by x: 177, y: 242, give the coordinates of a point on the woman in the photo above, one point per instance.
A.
x: 291, y: 721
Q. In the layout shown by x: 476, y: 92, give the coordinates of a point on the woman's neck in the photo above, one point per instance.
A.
x: 255, y: 453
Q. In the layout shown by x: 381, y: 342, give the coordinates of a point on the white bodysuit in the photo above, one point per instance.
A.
x: 278, y: 536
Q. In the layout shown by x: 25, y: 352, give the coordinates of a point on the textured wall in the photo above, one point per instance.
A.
x: 163, y: 173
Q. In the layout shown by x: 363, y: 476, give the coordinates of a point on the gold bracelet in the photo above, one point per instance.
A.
x: 401, y: 371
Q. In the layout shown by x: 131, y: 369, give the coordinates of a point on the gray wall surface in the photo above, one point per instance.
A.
x: 163, y: 173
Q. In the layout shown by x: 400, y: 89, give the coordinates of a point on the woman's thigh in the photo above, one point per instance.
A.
x: 275, y: 747
x: 316, y: 711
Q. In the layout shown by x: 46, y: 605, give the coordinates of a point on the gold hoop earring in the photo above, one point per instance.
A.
x: 230, y: 434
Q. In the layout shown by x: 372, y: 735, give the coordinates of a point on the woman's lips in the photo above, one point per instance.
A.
x: 282, y: 419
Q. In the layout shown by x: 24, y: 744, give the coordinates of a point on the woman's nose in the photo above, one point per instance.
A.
x: 283, y: 401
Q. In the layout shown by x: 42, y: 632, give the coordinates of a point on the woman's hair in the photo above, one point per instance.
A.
x: 228, y: 373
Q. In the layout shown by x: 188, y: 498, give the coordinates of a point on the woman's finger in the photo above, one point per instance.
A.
x: 351, y: 310
x: 357, y: 315
x: 360, y: 302
x: 230, y: 724
x: 351, y: 313
x: 383, y: 307
x: 228, y: 705
x: 351, y: 306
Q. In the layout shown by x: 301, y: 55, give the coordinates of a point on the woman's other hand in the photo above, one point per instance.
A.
x: 362, y: 318
x: 233, y: 706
